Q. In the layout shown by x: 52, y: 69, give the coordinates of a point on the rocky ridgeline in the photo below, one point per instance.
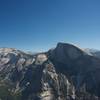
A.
x: 63, y: 73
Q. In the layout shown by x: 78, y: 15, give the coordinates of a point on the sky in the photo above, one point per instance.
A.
x: 38, y: 25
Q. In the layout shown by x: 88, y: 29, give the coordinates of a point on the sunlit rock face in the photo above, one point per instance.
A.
x: 40, y: 59
x: 63, y: 73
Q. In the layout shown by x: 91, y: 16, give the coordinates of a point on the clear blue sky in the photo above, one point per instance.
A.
x: 37, y: 25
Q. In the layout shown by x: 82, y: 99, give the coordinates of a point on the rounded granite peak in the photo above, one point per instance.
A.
x: 69, y: 50
x: 68, y: 45
x: 62, y: 43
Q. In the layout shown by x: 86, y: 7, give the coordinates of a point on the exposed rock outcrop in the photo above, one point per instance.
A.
x: 82, y: 68
x: 63, y: 73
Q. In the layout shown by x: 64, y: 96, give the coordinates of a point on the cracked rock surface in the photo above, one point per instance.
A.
x: 63, y: 73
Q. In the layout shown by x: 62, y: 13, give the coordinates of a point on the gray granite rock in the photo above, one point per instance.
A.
x: 63, y: 73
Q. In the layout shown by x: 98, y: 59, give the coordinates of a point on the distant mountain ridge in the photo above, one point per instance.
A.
x: 62, y: 73
x: 93, y: 52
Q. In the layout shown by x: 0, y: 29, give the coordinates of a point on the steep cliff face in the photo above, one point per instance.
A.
x: 63, y: 73
x: 81, y: 68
